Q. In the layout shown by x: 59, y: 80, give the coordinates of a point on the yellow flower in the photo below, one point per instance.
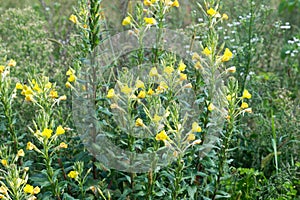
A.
x: 3, y: 190
x: 211, y: 107
x: 70, y: 72
x: 153, y: 72
x: 198, y: 65
x: 29, y: 98
x: 227, y: 55
x: 30, y: 146
x: 142, y: 94
x: 162, y: 87
x: 63, y: 145
x: 150, y: 20
x: 211, y: 12
x: 231, y: 70
x: 72, y: 78
x: 162, y: 136
x: 206, y: 51
x: 150, y: 92
x: 60, y: 130
x: 156, y: 118
x: 244, y: 105
x: 68, y: 85
x: 182, y: 76
x: 4, y: 162
x: 53, y: 94
x: 139, y: 84
x: 181, y: 66
x: 196, y: 127
x: 37, y: 88
x: 246, y: 94
x: 19, y: 86
x: 73, y: 174
x: 2, y: 68
x: 175, y: 3
x: 191, y: 137
x: 225, y: 16
x: 36, y: 190
x: 12, y: 63
x: 126, y: 90
x: 110, y: 93
x: 139, y: 122
x: 196, y: 57
x: 147, y: 3
x: 229, y: 97
x: 73, y: 19
x: 48, y: 85
x: 169, y: 70
x: 21, y: 153
x: 47, y: 133
x: 126, y: 21
x: 28, y: 189
x: 62, y: 98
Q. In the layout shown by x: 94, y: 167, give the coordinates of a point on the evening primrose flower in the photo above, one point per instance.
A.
x: 211, y: 12
x: 28, y: 189
x: 2, y: 68
x: 153, y: 72
x: 206, y: 51
x: 73, y: 19
x: 139, y: 84
x: 139, y: 122
x: 21, y: 153
x: 244, y: 105
x: 196, y: 127
x: 29, y: 98
x: 126, y: 21
x: 53, y: 94
x: 68, y: 84
x: 246, y: 94
x: 181, y: 66
x: 47, y: 133
x: 156, y: 118
x: 12, y: 63
x: 3, y: 190
x: 182, y: 76
x: 4, y: 162
x: 110, y: 93
x: 162, y: 136
x: 19, y: 86
x: 63, y: 145
x: 150, y: 20
x: 169, y: 70
x: 227, y: 55
x: 73, y: 174
x: 126, y: 90
x: 147, y: 3
x: 48, y: 85
x: 36, y: 190
x: 198, y: 65
x: 72, y: 78
x: 231, y: 69
x: 175, y: 3
x: 196, y: 57
x: 30, y: 146
x: 142, y: 94
x: 150, y: 92
x: 225, y: 16
x: 211, y: 107
x: 191, y: 137
x: 62, y: 98
x: 37, y: 88
x: 60, y: 130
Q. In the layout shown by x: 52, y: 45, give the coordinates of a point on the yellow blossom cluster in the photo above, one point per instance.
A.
x: 71, y: 77
x: 213, y: 13
x: 36, y: 89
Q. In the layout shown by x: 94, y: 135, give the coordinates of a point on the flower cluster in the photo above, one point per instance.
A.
x: 37, y: 89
